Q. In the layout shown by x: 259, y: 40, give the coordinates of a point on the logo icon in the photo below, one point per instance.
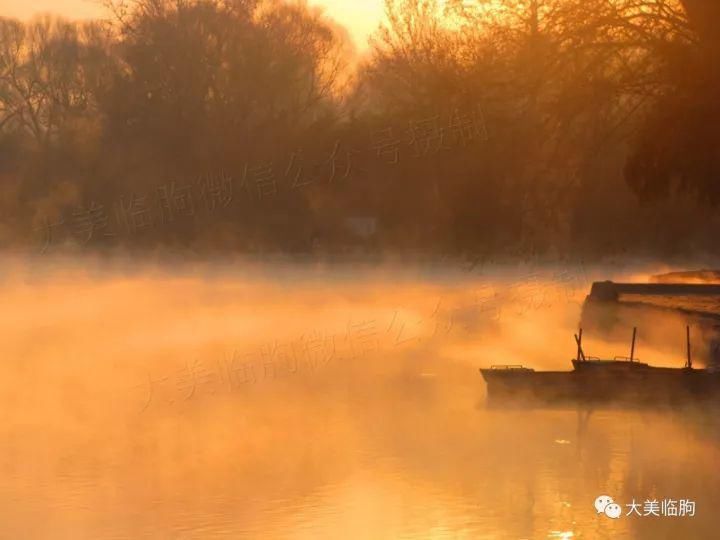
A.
x: 604, y: 504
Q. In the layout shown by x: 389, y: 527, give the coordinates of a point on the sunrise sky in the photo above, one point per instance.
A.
x: 361, y: 17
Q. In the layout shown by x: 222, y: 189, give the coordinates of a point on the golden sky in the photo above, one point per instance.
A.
x: 361, y: 17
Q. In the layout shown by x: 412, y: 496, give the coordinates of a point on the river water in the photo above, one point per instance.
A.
x: 313, y: 401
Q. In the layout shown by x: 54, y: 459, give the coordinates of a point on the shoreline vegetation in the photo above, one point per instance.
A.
x: 549, y: 128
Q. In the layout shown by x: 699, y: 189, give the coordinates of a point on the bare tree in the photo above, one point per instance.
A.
x: 44, y: 75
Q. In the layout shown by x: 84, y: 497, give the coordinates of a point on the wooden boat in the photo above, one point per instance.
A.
x: 622, y: 379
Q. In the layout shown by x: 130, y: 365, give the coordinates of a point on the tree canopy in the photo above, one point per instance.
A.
x: 253, y: 124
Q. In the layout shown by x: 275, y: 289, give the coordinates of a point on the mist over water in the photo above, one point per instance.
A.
x: 265, y: 400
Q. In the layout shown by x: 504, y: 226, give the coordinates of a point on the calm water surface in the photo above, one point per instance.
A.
x: 319, y: 402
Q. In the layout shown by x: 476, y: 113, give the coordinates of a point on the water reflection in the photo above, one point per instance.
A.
x: 217, y: 405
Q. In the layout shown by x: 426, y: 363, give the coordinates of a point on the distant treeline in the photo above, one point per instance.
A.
x: 536, y: 126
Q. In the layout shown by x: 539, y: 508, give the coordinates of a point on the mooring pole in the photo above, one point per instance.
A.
x: 578, y: 340
x: 632, y: 347
x: 579, y: 344
x: 689, y: 358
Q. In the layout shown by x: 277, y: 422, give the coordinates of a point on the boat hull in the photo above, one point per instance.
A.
x: 604, y: 383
